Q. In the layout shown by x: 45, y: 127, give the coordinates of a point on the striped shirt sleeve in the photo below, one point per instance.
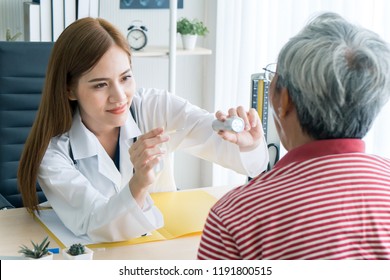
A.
x: 216, y: 243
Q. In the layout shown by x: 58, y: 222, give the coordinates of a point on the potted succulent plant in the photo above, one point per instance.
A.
x: 77, y: 252
x: 39, y: 251
x: 190, y: 30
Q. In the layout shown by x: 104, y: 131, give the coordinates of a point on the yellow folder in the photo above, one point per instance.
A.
x: 184, y: 213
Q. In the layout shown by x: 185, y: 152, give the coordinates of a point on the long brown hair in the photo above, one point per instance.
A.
x: 77, y: 50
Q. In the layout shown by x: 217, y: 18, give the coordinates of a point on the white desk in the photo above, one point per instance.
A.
x: 18, y: 227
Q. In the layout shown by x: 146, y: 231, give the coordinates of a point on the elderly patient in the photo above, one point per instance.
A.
x: 326, y: 198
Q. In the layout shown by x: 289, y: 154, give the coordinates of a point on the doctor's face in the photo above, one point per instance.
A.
x: 104, y: 94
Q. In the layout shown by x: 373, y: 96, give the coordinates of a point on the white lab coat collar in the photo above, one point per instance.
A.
x: 84, y: 138
x: 84, y: 144
x: 82, y: 141
x: 128, y: 132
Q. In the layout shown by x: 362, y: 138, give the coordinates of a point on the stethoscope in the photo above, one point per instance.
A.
x: 132, y: 112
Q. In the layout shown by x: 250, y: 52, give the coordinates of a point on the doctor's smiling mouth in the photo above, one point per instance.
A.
x: 118, y: 110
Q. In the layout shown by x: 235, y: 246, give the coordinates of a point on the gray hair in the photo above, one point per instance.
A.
x: 337, y: 75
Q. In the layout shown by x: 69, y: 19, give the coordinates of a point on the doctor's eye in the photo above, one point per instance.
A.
x: 127, y: 77
x: 100, y: 85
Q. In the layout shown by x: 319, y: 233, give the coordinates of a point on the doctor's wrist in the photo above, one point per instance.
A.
x: 138, y: 192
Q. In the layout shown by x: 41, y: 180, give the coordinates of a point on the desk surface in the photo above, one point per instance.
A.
x: 18, y: 227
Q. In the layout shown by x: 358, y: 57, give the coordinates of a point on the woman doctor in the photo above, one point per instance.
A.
x: 96, y: 160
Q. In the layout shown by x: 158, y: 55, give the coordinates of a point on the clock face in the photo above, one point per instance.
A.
x: 137, y: 39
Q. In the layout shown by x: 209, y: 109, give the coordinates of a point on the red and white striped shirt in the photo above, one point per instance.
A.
x: 323, y: 200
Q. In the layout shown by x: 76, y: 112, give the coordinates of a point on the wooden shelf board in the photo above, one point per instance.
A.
x: 153, y: 51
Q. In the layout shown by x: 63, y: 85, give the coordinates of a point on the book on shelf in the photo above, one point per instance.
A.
x: 87, y: 8
x: 57, y: 8
x: 31, y: 16
x: 69, y: 12
x: 82, y: 7
x: 94, y: 8
x: 45, y: 19
x: 56, y: 15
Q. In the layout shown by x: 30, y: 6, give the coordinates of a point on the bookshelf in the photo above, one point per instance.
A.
x: 172, y: 52
x: 161, y: 51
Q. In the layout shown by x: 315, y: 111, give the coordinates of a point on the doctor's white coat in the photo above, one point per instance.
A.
x: 90, y: 195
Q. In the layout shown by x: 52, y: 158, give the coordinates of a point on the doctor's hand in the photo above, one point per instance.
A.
x: 145, y: 154
x: 251, y: 136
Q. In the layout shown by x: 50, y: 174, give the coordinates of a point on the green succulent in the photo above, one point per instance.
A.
x: 76, y: 249
x: 194, y: 27
x: 38, y: 251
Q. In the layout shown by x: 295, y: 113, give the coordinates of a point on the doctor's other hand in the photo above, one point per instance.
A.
x: 145, y: 154
x: 251, y: 136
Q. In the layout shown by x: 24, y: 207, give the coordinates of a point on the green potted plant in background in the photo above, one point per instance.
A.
x: 10, y: 37
x: 39, y: 251
x: 77, y: 252
x: 190, y: 30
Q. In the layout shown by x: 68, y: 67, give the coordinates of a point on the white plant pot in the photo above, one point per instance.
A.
x: 189, y: 41
x: 88, y: 255
x: 48, y: 256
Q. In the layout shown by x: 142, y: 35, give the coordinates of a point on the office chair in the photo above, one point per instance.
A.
x: 22, y: 73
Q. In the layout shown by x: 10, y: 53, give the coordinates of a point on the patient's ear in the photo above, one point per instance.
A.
x: 285, y: 103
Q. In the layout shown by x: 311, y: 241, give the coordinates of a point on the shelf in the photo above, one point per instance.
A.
x: 154, y: 51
